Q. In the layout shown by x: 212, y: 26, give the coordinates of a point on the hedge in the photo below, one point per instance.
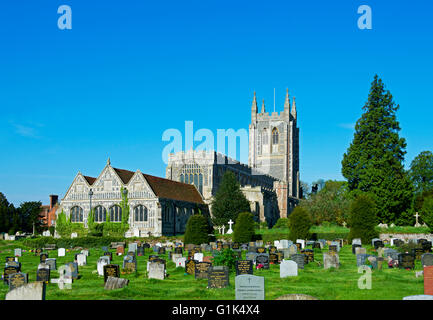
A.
x: 87, y: 242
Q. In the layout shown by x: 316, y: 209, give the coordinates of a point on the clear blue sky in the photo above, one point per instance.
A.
x: 129, y: 70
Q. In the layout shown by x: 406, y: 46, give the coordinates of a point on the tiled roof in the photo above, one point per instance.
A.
x: 125, y: 175
x: 90, y: 180
x: 165, y: 188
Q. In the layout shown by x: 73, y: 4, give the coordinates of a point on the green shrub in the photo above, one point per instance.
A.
x: 427, y: 212
x: 226, y: 257
x: 196, y: 230
x: 300, y: 223
x: 362, y: 219
x: 244, y: 228
x: 282, y: 223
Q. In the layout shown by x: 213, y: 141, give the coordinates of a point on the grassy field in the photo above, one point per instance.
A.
x: 331, y: 284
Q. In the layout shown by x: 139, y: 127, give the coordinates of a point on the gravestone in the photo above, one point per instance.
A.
x: 428, y: 280
x: 273, y: 258
x: 81, y: 259
x: 72, y: 270
x: 330, y: 261
x: 356, y: 241
x: 190, y: 267
x: 333, y: 248
x: 10, y: 259
x: 85, y: 252
x: 100, y: 265
x: 406, y: 261
x: 14, y: 264
x: 111, y: 270
x: 140, y: 251
x: 244, y: 267
x: 43, y: 256
x: 202, y: 270
x: 109, y: 254
x: 29, y: 291
x: 251, y: 256
x: 161, y: 250
x: 61, y: 252
x: 261, y: 250
x: 293, y: 249
x: 272, y: 249
x: 378, y: 244
x: 120, y: 250
x: 17, y: 280
x: 8, y: 270
x: 302, y: 242
x: 309, y: 254
x: 417, y: 252
x: 180, y: 262
x: 263, y: 259
x: 132, y: 247
x: 360, y: 250
x: 419, y: 297
x: 175, y: 256
x: 156, y: 270
x: 198, y: 257
x: 335, y: 244
x: 288, y: 268
x: 115, y: 283
x: 218, y: 277
x: 354, y: 246
x: 249, y: 287
x: 51, y: 262
x: 427, y: 259
x: 299, y: 259
x: 178, y: 250
x: 43, y: 274
x: 129, y: 264
x: 317, y: 245
x: 17, y: 252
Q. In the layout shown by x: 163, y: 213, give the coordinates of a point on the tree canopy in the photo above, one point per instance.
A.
x: 421, y: 172
x: 373, y: 162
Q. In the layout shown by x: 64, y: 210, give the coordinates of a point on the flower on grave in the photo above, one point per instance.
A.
x: 259, y: 266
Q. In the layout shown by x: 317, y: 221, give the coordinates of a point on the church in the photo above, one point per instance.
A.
x: 162, y: 206
x: 270, y: 181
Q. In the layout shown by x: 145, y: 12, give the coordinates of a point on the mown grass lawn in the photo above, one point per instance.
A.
x: 332, y: 284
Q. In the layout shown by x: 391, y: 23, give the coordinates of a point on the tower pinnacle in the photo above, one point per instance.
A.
x: 287, y: 101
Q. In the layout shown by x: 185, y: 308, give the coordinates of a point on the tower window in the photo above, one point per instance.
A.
x: 275, y: 136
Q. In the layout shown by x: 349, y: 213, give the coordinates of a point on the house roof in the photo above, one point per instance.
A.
x: 165, y: 188
x: 90, y: 180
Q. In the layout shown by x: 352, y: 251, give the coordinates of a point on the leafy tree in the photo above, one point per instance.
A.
x: 331, y: 203
x: 421, y: 172
x: 363, y: 220
x: 196, y: 230
x: 282, y: 223
x: 6, y: 212
x: 229, y: 201
x: 299, y: 224
x: 30, y: 213
x: 374, y: 161
x: 244, y: 228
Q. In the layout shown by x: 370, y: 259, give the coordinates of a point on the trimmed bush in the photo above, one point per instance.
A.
x: 227, y: 257
x: 282, y: 223
x: 300, y: 223
x: 196, y: 230
x: 244, y: 228
x: 362, y: 219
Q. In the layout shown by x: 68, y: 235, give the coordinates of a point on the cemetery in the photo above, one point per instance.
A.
x: 168, y: 269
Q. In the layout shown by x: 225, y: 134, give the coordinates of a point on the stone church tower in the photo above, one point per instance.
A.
x: 274, y: 149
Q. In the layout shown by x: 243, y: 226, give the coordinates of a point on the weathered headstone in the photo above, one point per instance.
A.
x: 249, y: 287
x: 330, y: 261
x: 17, y: 252
x: 8, y: 270
x: 288, y: 268
x: 299, y: 259
x: 81, y: 259
x: 29, y: 291
x: 190, y: 267
x: 100, y: 265
x: 156, y: 270
x: 51, y: 262
x: 61, y: 252
x: 115, y: 283
x: 427, y: 259
x: 17, y: 279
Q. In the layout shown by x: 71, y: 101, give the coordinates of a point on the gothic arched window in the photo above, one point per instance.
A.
x: 140, y: 213
x: 115, y: 214
x: 275, y: 136
x: 100, y: 214
x: 76, y: 214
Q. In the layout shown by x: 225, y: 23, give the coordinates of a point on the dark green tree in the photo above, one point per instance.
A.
x: 196, y: 230
x: 300, y: 223
x: 374, y: 161
x: 229, y: 201
x: 427, y: 212
x: 6, y: 211
x: 244, y: 228
x: 30, y: 213
x: 362, y: 219
x: 421, y: 172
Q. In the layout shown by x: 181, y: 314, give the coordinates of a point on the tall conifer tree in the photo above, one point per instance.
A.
x: 374, y: 161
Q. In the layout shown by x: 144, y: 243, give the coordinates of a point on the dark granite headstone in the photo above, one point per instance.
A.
x: 111, y: 270
x: 263, y: 259
x: 190, y: 266
x: 244, y: 267
x: 218, y: 277
x: 43, y: 256
x: 299, y: 259
x: 8, y: 271
x: 202, y: 270
x: 354, y: 246
x: 43, y: 274
x: 417, y: 252
x: 17, y: 280
x: 406, y: 261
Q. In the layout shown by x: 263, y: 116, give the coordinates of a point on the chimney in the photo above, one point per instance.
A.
x: 53, y: 200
